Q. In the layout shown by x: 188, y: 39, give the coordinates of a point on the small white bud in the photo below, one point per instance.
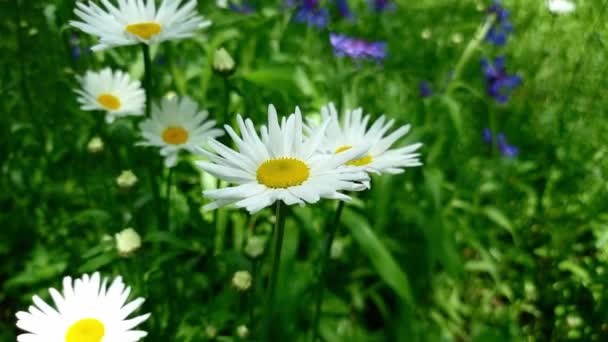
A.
x: 426, y: 34
x: 126, y: 179
x: 223, y: 62
x: 241, y: 280
x: 337, y: 249
x: 127, y: 242
x: 255, y: 246
x: 211, y: 331
x: 95, y: 145
x: 242, y: 331
x: 457, y: 38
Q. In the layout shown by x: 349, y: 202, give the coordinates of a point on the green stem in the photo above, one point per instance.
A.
x: 331, y: 233
x: 221, y: 120
x: 279, y: 232
x: 252, y: 290
x: 168, y: 197
x: 147, y: 77
x: 480, y: 35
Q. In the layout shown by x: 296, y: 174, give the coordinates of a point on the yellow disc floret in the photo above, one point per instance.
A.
x: 86, y: 330
x: 109, y: 101
x: 355, y: 162
x: 175, y: 135
x: 144, y: 30
x: 283, y: 173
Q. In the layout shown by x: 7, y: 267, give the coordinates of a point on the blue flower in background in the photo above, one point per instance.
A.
x: 381, y: 5
x: 357, y: 48
x: 75, y: 46
x: 425, y: 89
x: 487, y: 135
x: 344, y: 9
x: 504, y: 147
x: 502, y: 144
x: 243, y: 7
x: 498, y: 83
x: 499, y: 32
x: 311, y: 13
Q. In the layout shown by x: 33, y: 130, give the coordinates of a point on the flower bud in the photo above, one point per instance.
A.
x: 223, y: 63
x: 242, y: 331
x: 95, y: 145
x: 337, y: 249
x: 126, y: 179
x: 241, y: 280
x: 127, y: 242
x: 211, y: 331
x: 255, y: 246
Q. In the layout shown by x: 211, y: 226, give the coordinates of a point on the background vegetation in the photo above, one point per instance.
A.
x: 473, y: 246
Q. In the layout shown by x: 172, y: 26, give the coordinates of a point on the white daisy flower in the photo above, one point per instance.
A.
x: 353, y: 131
x: 560, y: 6
x: 177, y: 125
x: 138, y: 21
x: 87, y: 310
x: 111, y: 91
x: 282, y: 165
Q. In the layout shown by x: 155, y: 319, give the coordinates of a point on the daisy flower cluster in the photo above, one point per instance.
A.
x: 299, y: 164
x: 175, y: 124
x: 286, y: 160
x: 91, y: 309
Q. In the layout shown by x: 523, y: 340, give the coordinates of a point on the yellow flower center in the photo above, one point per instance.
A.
x: 86, y: 330
x: 355, y: 162
x: 144, y: 30
x: 109, y: 101
x: 283, y: 173
x: 175, y: 135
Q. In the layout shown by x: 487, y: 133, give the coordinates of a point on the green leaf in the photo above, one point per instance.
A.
x: 497, y: 216
x: 380, y: 257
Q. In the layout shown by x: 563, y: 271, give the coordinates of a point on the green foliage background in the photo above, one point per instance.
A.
x: 470, y: 247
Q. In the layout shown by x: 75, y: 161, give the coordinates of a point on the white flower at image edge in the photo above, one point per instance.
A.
x: 111, y: 91
x: 138, y: 21
x: 560, y: 6
x: 282, y: 165
x: 352, y: 131
x: 88, y: 310
x: 177, y: 125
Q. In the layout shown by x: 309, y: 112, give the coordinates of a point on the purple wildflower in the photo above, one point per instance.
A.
x: 311, y: 13
x: 425, y: 89
x: 381, y: 5
x: 344, y: 9
x: 504, y: 147
x: 243, y: 7
x: 75, y: 46
x: 487, y: 135
x: 499, y: 32
x: 357, y: 48
x: 498, y: 83
x: 502, y: 144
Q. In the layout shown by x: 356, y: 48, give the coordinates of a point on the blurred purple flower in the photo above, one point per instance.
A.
x: 499, y: 32
x: 75, y: 49
x: 344, y: 9
x: 505, y: 148
x: 309, y: 12
x: 381, y: 5
x: 502, y: 144
x: 357, y: 48
x: 244, y: 7
x: 425, y: 89
x: 498, y: 83
x: 487, y: 135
